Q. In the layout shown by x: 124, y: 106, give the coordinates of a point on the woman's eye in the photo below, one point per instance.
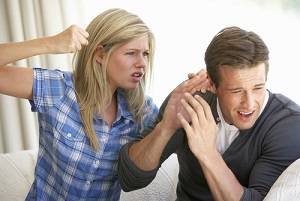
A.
x: 146, y: 54
x: 130, y: 53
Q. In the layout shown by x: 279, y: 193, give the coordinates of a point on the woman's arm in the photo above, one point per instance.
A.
x: 67, y: 41
x: 15, y: 81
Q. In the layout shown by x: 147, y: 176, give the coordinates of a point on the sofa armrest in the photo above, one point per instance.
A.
x: 16, y: 174
x: 287, y: 186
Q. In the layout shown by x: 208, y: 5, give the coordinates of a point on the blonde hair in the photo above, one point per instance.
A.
x: 111, y: 29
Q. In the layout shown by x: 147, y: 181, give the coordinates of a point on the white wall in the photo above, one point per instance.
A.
x: 183, y: 30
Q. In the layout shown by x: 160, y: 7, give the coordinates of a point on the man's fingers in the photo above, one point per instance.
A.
x: 202, y: 87
x: 202, y: 72
x: 191, y: 83
x: 196, y: 107
x: 205, y: 107
x: 186, y: 126
x: 191, y: 75
x: 190, y: 110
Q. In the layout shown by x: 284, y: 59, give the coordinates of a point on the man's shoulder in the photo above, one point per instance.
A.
x: 285, y: 103
x: 281, y: 115
x: 281, y: 106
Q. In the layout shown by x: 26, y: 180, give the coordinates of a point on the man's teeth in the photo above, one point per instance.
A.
x: 245, y: 113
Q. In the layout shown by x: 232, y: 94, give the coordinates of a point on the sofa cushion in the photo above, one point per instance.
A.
x: 162, y: 188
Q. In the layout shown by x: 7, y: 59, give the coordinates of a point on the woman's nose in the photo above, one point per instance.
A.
x: 141, y: 61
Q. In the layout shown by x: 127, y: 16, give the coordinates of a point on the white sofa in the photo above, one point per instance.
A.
x: 16, y: 176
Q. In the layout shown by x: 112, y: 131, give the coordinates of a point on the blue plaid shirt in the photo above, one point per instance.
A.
x: 67, y: 166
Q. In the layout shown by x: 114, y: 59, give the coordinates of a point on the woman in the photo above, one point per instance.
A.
x: 86, y: 116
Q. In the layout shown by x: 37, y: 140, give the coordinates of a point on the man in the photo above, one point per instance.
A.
x: 235, y: 141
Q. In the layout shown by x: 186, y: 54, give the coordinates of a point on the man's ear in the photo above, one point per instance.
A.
x: 212, y: 85
x: 99, y: 54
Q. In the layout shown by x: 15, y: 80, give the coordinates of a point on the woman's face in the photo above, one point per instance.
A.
x: 127, y: 64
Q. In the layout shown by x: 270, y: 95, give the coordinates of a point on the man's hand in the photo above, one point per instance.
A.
x: 201, y: 134
x: 206, y: 86
x: 174, y: 106
x: 202, y: 131
x: 70, y: 40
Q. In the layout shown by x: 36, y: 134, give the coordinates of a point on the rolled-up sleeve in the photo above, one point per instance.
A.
x: 130, y: 176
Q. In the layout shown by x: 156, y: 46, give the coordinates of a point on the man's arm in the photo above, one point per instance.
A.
x: 201, y: 135
x: 280, y: 149
x: 15, y: 81
x: 145, y: 155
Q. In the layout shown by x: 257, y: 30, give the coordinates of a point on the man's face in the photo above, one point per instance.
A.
x: 241, y: 94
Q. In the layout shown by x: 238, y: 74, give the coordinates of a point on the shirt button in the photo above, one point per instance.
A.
x: 96, y: 163
x: 69, y: 135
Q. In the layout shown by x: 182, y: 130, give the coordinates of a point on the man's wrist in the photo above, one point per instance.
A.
x: 209, y: 158
x: 164, y: 131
